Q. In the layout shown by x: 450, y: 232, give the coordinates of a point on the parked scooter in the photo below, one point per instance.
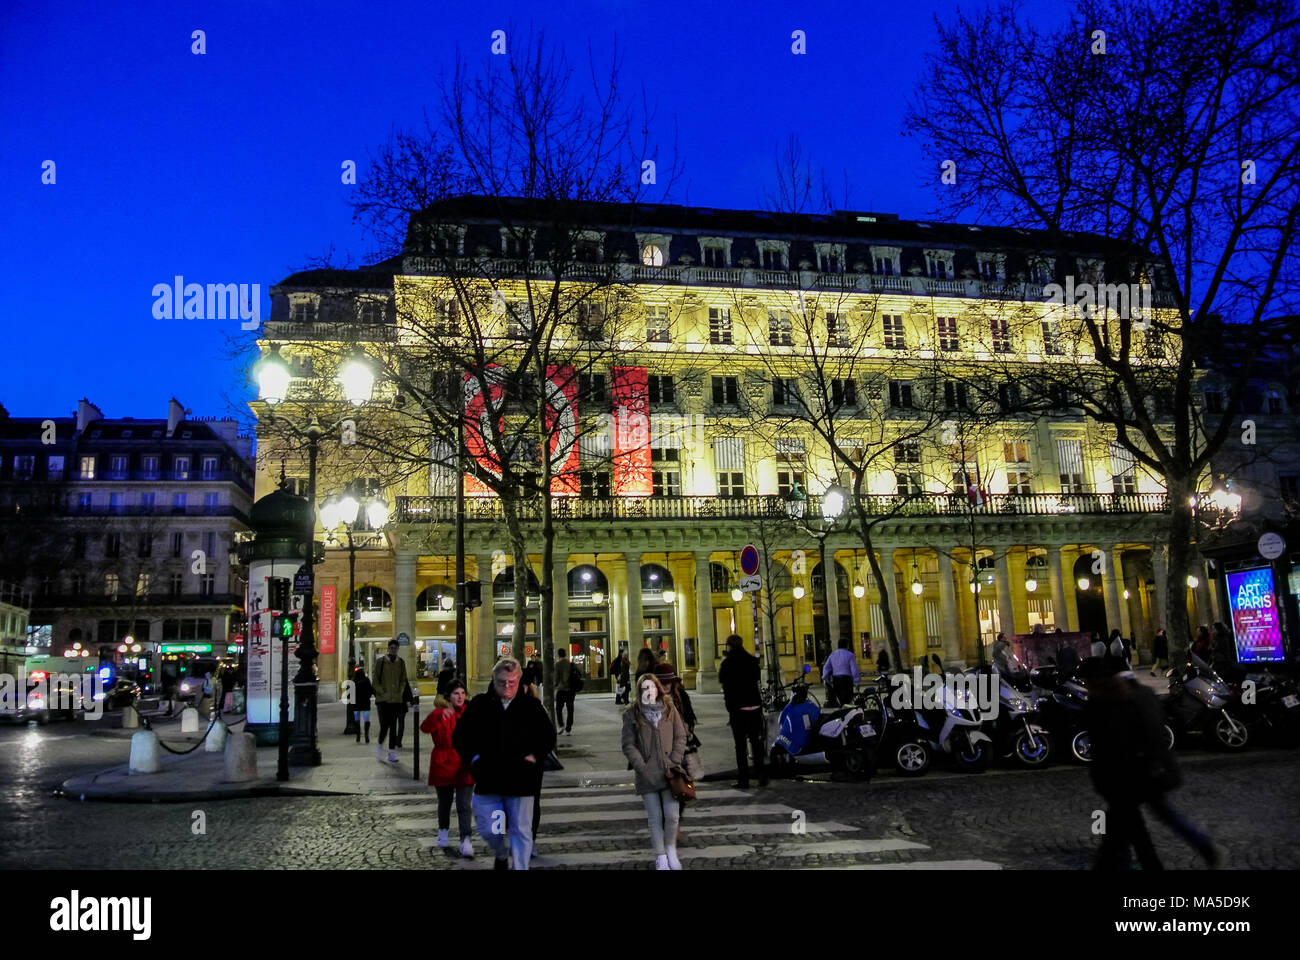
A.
x: 1016, y: 731
x: 1198, y: 702
x: 1272, y: 709
x: 952, y: 730
x: 807, y: 734
x: 1061, y: 699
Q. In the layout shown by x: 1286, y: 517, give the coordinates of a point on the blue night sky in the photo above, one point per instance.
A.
x: 225, y: 168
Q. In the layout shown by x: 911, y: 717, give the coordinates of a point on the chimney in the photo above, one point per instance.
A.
x: 175, y: 414
x: 86, y: 412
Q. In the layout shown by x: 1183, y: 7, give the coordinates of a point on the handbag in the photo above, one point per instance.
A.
x: 681, y: 784
x: 694, y: 765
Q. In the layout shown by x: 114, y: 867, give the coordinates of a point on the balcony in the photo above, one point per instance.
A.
x: 477, y: 509
x: 159, y: 510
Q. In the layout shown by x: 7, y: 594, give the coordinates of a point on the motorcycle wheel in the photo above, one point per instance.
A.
x: 859, y: 764
x: 1081, y: 746
x: 1229, y: 737
x: 911, y: 759
x: 780, y: 760
x: 1027, y: 755
x: 1169, y: 735
x: 972, y: 757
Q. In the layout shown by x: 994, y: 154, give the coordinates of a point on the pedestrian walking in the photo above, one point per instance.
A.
x: 1116, y: 647
x: 362, y: 691
x: 654, y: 742
x: 568, y: 683
x: 739, y: 677
x: 621, y: 673
x: 504, y: 738
x: 1203, y: 645
x: 448, y: 773
x: 1132, y: 765
x: 389, y: 683
x: 681, y: 701
x: 446, y: 676
x: 645, y: 663
x: 532, y: 679
x: 882, y: 661
x: 840, y: 674
x: 1160, y: 651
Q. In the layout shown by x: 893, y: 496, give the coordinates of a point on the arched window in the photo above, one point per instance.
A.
x: 652, y: 255
x: 373, y: 599
x: 503, y: 586
x: 841, y: 581
x: 437, y: 598
x: 586, y: 580
x: 719, y: 578
x: 655, y: 580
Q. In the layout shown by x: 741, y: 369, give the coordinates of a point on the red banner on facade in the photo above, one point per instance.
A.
x: 562, y: 428
x: 631, y: 447
x: 478, y: 426
x: 329, y: 619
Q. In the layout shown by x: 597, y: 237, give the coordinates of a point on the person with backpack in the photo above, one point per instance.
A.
x: 389, y: 681
x: 568, y: 684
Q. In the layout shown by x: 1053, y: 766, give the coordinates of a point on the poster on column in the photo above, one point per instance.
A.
x: 1256, y: 627
x: 264, y: 651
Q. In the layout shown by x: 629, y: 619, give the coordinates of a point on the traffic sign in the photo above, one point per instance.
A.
x: 749, y: 560
x: 1271, y: 546
x: 751, y: 584
x: 302, y: 582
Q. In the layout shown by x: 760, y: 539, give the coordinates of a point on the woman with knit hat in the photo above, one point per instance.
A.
x: 654, y: 742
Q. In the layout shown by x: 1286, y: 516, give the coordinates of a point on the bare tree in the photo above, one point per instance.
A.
x: 1174, y: 131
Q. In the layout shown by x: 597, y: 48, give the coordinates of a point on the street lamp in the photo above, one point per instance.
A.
x: 273, y: 377
x: 341, y: 510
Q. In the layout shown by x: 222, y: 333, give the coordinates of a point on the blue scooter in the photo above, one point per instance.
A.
x: 807, y: 734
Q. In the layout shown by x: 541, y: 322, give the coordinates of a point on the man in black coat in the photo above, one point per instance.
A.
x: 739, y: 676
x: 504, y: 737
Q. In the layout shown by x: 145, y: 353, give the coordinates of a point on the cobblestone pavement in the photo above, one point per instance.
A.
x: 1009, y: 819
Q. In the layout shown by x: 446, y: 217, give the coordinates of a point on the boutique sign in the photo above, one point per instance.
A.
x: 1256, y: 625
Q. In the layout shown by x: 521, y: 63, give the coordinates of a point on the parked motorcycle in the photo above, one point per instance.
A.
x: 1016, y: 731
x: 913, y: 735
x: 807, y: 734
x: 1272, y: 708
x: 1061, y: 699
x: 1198, y: 703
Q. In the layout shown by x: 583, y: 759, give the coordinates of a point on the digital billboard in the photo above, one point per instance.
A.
x: 1256, y: 625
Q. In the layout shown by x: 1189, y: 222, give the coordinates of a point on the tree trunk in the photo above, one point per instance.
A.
x: 519, y: 548
x: 546, y: 631
x: 1181, y: 553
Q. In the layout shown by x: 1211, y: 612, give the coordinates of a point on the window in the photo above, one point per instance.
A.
x: 954, y: 396
x: 178, y: 503
x: 1274, y: 402
x: 714, y: 254
x: 729, y: 461
x: 785, y: 391
x: 446, y: 315
x: 1015, y: 456
x: 587, y: 249
x: 1019, y: 482
x: 900, y: 394
x: 909, y: 484
x: 652, y: 255
x: 148, y: 500
x: 726, y: 390
x: 787, y: 478
x: 591, y: 321
x: 666, y: 483
x: 142, y: 584
x: 85, y: 501
x: 662, y: 389
x: 719, y: 325
x: 181, y: 468
x: 54, y: 468
x: 664, y: 455
x: 772, y: 258
x: 1009, y: 396
x: 1041, y: 269
x: 844, y: 392
x: 907, y: 451
x: 948, y: 338
x: 731, y: 484
x: 76, y: 584
x: 302, y: 311
x: 1052, y: 345
x: 79, y: 546
x: 990, y: 267
x: 591, y: 387
x: 938, y: 264
x: 117, y: 468
x: 1000, y: 335
x: 88, y: 468
x: 1069, y: 455
x: 658, y: 327
x: 24, y: 467
x: 895, y: 336
x: 594, y: 484
x: 150, y: 467
x: 1213, y: 401
x: 209, y: 468
x: 779, y: 328
x: 1123, y: 469
x: 111, y: 585
x: 1155, y: 345
x: 178, y: 544
x: 144, y: 547
x: 512, y: 243
x: 116, y: 503
x: 210, y: 537
x: 886, y: 260
x: 208, y: 584
x: 837, y: 330
x: 519, y: 320
x: 176, y: 585
x: 1015, y: 451
x: 112, y: 545
x: 830, y: 257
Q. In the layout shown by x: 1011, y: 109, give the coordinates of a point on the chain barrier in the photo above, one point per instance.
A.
x: 149, y: 726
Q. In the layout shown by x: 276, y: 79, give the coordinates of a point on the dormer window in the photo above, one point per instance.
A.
x: 370, y: 310
x: 939, y: 264
x: 589, y: 247
x: 887, y: 261
x: 302, y: 309
x: 715, y: 251
x: 653, y: 249
x: 446, y: 240
x: 1091, y: 271
x: 830, y: 257
x: 1041, y: 269
x: 992, y: 267
x: 773, y: 254
x: 515, y: 243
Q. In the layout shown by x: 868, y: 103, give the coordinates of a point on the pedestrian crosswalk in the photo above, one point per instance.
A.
x: 605, y: 826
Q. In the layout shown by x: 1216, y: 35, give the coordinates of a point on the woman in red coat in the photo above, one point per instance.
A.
x: 447, y: 772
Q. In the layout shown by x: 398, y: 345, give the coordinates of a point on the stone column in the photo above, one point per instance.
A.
x: 948, y: 612
x: 832, y: 598
x: 1110, y: 587
x: 705, y: 639
x: 895, y: 608
x: 1204, y: 608
x: 635, y: 620
x: 560, y: 606
x: 404, y: 608
x: 485, y: 629
x: 1056, y: 577
x: 1160, y: 572
x: 1006, y: 609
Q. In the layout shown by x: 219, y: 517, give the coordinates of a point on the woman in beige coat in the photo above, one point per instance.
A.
x: 654, y: 742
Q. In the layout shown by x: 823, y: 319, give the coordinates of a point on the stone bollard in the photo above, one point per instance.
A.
x: 130, y: 718
x: 241, y: 758
x: 146, y: 754
x: 216, y: 739
x: 190, y: 722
